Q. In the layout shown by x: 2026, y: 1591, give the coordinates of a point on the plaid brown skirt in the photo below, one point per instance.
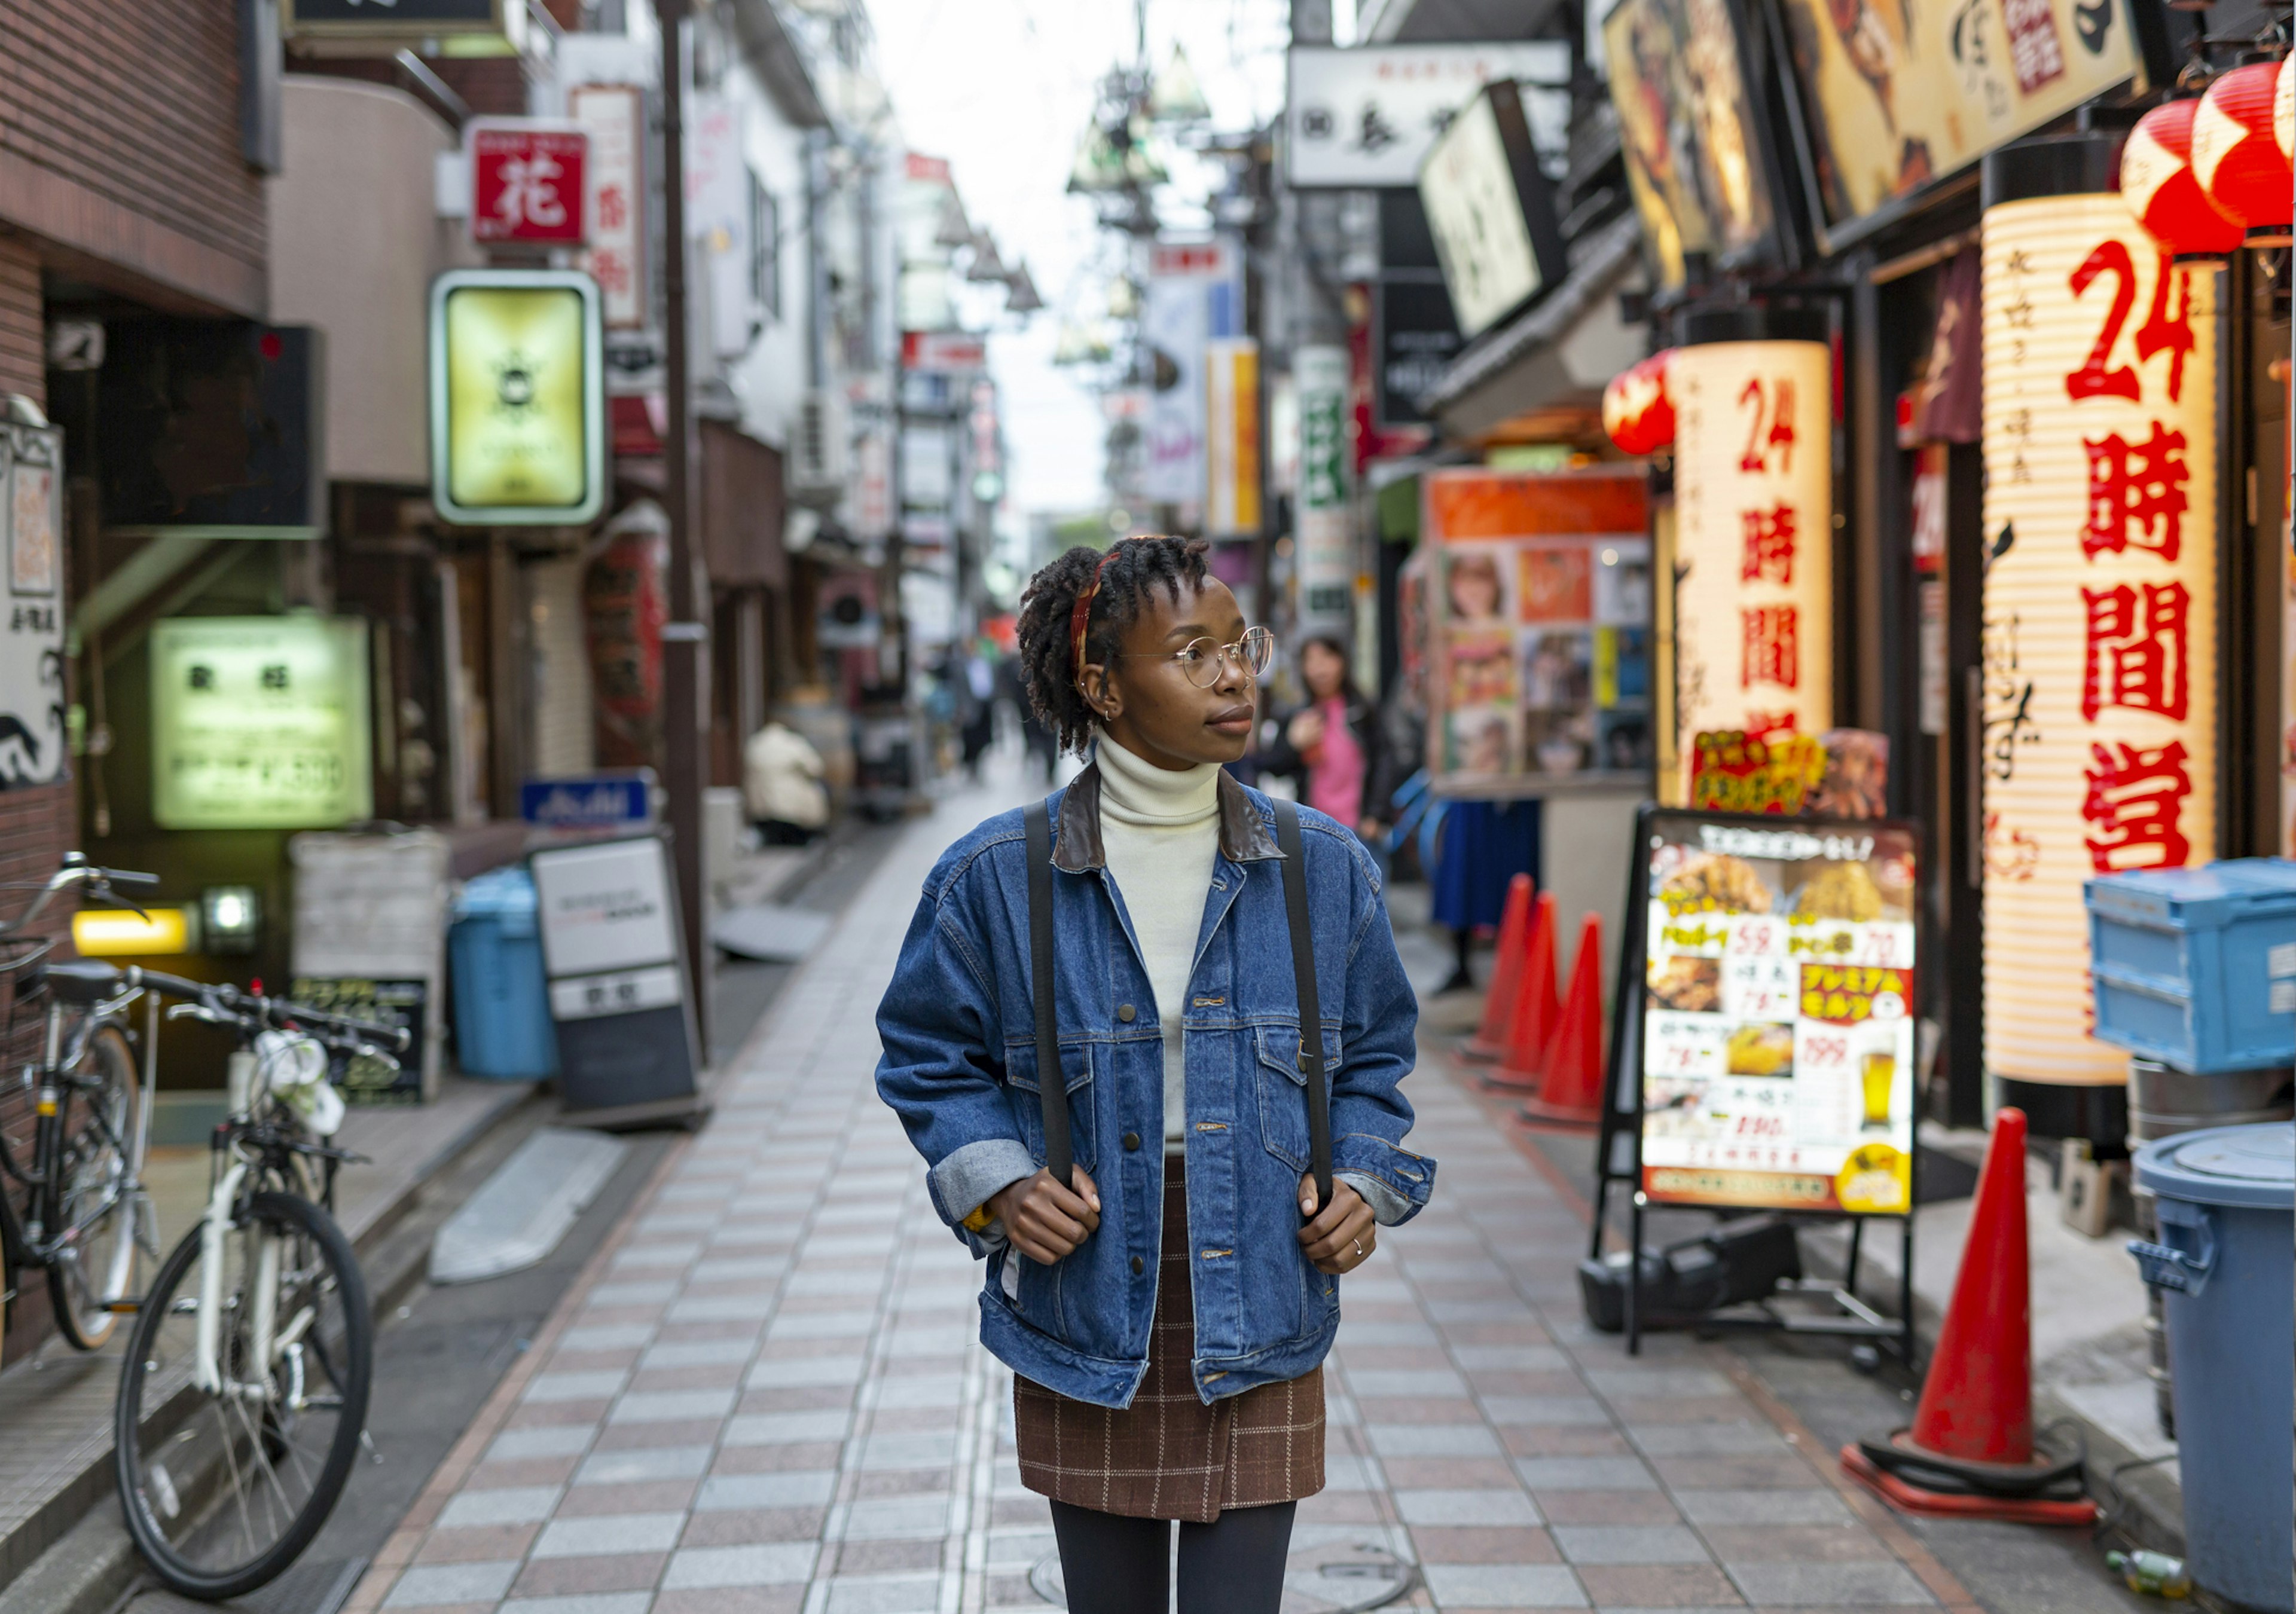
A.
x: 1168, y: 1456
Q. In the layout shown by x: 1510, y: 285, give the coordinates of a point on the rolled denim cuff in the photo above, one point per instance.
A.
x: 1403, y: 1178
x: 966, y: 1177
x: 1387, y: 1207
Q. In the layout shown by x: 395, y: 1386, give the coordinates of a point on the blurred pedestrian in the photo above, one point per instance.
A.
x: 1166, y: 1310
x: 1330, y: 745
x: 782, y: 783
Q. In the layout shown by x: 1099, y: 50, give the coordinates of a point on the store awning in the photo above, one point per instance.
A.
x: 1555, y: 359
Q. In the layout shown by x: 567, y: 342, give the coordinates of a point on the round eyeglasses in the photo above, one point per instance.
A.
x: 1200, y: 659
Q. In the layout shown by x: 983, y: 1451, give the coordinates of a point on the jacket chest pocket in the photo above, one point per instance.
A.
x: 1284, y: 1091
x: 1023, y: 1092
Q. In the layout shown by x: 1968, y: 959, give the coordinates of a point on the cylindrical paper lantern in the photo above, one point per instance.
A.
x: 2283, y: 109
x: 2240, y: 165
x: 1638, y: 412
x: 1753, y: 478
x: 2158, y: 184
x: 2098, y: 745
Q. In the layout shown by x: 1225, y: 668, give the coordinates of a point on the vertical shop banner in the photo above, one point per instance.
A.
x: 613, y: 117
x: 2099, y: 676
x: 1326, y: 551
x: 32, y: 732
x: 720, y: 221
x: 1232, y: 438
x: 1195, y: 293
x: 1777, y: 1036
x: 1754, y: 537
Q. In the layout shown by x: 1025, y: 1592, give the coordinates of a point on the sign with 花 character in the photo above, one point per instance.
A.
x: 518, y: 397
x: 2099, y: 669
x: 1778, y: 1012
x: 260, y: 723
x: 529, y: 182
x: 1754, y: 537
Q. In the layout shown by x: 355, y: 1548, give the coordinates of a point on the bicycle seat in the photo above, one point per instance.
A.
x: 83, y: 980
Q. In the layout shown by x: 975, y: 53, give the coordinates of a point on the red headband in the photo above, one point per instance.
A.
x: 1079, y: 617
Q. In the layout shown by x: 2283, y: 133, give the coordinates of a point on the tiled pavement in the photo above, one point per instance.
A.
x: 765, y: 1394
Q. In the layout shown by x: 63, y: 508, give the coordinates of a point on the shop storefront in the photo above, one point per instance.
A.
x: 2037, y: 544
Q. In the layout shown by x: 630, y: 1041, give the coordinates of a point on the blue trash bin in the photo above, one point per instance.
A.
x: 502, y: 1003
x: 2227, y: 1199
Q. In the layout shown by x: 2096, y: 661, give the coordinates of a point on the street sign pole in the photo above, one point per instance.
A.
x: 685, y: 636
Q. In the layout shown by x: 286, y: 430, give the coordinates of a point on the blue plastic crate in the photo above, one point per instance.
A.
x: 2196, y: 968
x: 502, y: 1003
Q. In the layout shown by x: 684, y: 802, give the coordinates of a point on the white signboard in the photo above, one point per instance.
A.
x: 1196, y: 293
x: 32, y: 630
x: 1475, y: 213
x: 1327, y: 561
x: 604, y: 908
x: 613, y: 115
x: 717, y: 218
x: 1366, y: 117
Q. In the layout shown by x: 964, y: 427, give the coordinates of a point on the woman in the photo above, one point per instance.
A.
x: 1330, y: 745
x: 1167, y: 1311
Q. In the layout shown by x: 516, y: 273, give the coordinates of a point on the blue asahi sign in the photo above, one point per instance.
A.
x: 595, y: 801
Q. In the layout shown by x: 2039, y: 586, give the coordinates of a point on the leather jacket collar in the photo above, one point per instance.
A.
x: 1243, y: 834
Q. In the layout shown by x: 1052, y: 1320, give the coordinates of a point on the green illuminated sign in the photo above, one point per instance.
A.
x: 517, y: 398
x: 260, y: 723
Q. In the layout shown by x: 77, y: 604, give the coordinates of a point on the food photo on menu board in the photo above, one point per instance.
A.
x: 1779, y: 1012
x: 1542, y: 648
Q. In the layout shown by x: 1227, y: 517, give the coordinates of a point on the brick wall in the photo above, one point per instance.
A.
x: 119, y: 146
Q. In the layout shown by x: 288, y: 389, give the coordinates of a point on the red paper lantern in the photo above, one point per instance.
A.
x: 2240, y: 165
x: 2283, y: 109
x: 1637, y: 410
x: 2158, y: 184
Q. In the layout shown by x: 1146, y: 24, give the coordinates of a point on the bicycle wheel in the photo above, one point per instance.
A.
x: 224, y: 1489
x: 98, y: 1265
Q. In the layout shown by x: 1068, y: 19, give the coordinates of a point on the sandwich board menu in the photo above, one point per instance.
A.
x: 1778, y: 1010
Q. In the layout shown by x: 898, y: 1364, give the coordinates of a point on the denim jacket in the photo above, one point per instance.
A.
x: 960, y: 1069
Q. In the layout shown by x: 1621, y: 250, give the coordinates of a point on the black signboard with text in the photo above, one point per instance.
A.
x: 1416, y: 337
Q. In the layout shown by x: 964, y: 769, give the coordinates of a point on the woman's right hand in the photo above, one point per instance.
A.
x: 1045, y: 1219
x: 1306, y: 732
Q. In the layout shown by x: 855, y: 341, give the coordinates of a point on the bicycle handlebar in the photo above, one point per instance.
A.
x: 76, y: 871
x: 248, y: 1009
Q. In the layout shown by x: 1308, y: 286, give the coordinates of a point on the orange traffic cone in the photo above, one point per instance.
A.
x: 1970, y: 1451
x: 1489, y: 1042
x: 1572, y: 1093
x: 1532, y: 1023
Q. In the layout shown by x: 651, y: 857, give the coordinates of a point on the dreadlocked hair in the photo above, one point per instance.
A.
x: 1135, y: 567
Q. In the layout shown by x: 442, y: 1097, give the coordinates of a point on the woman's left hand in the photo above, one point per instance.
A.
x: 1340, y: 1236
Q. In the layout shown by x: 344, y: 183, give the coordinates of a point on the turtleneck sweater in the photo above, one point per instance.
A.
x: 1160, y: 830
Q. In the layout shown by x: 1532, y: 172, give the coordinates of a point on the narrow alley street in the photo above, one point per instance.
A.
x: 765, y: 1393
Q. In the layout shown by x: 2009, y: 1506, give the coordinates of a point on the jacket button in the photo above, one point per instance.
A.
x: 1125, y: 1012
x: 1138, y: 1267
x: 1131, y: 1142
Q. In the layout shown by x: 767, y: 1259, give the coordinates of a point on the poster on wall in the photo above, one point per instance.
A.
x: 2098, y: 672
x: 1778, y: 1010
x: 1538, y: 613
x: 1895, y: 96
x: 1691, y: 144
x: 32, y: 731
x: 260, y: 723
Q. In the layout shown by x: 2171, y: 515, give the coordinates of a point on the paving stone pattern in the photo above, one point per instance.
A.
x: 766, y: 1395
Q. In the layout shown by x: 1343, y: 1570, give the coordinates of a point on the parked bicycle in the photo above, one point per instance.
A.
x: 243, y: 1398
x: 87, y: 1215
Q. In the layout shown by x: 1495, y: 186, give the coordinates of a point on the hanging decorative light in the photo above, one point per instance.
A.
x: 1176, y: 96
x: 1637, y: 410
x: 2284, y: 109
x: 2162, y: 192
x: 2240, y: 167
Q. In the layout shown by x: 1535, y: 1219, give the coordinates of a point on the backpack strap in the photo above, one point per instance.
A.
x: 1311, y: 1015
x: 1052, y: 1088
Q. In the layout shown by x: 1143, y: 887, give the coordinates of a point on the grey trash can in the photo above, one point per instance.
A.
x: 2226, y: 1198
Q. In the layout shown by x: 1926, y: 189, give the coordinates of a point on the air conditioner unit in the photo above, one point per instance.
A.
x: 819, y: 452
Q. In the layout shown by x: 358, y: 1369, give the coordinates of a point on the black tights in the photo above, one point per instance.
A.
x: 1233, y: 1565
